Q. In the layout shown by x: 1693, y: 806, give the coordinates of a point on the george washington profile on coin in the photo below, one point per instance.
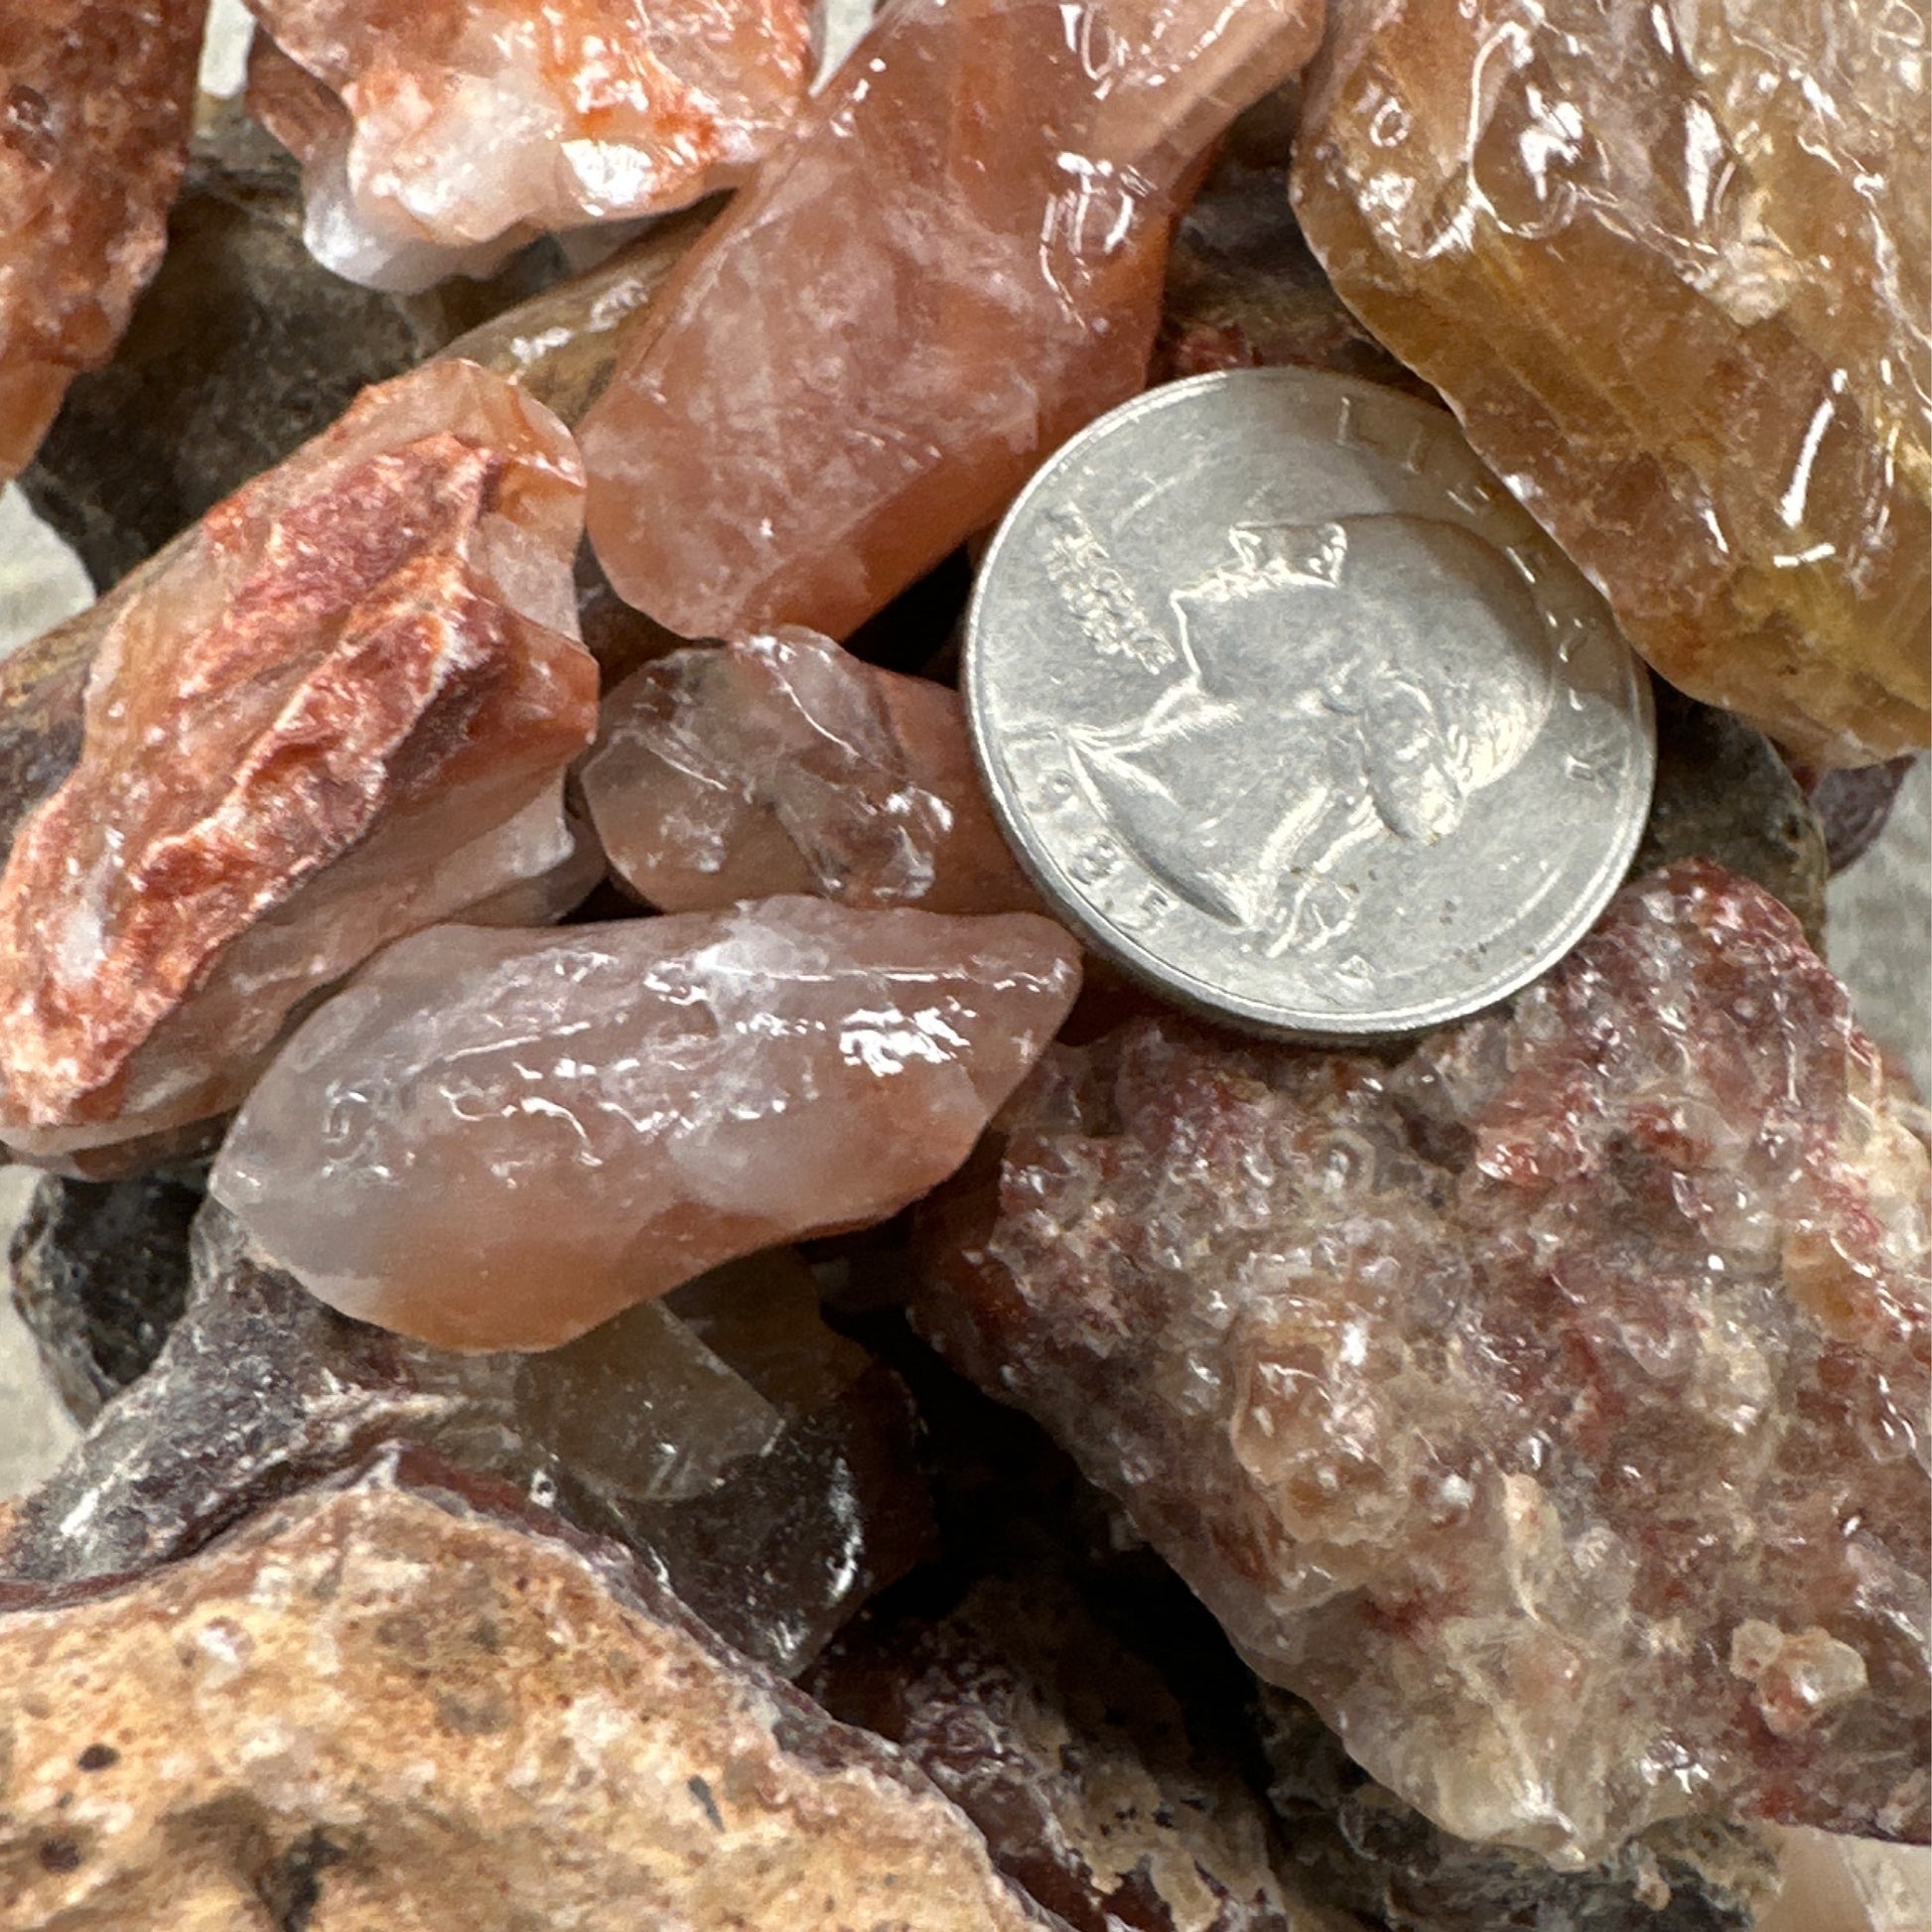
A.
x: 1380, y: 669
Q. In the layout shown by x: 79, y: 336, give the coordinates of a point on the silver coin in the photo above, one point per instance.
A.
x: 1293, y: 711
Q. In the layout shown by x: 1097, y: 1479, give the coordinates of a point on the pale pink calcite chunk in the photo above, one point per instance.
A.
x: 952, y: 265
x: 96, y: 104
x: 340, y: 710
x: 497, y: 1139
x: 784, y: 765
x: 438, y: 136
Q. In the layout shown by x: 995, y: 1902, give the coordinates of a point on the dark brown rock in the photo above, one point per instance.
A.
x: 99, y: 1275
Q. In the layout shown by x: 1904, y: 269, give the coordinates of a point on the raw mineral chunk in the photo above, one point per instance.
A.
x: 1075, y: 1758
x: 439, y: 136
x: 96, y: 100
x: 497, y: 1139
x: 953, y: 264
x: 780, y: 765
x: 99, y: 1275
x: 1547, y: 1408
x: 403, y: 1701
x: 1668, y: 264
x: 1853, y: 804
x: 770, y: 1479
x: 240, y: 348
x: 1849, y: 1884
x: 340, y: 709
x: 1350, y: 1841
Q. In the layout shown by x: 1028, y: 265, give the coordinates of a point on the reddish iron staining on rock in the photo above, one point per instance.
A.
x: 96, y: 100
x: 781, y: 765
x: 1548, y: 1408
x: 439, y: 135
x: 952, y: 265
x: 340, y: 710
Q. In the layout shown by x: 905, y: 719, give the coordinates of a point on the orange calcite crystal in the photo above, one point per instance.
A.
x: 954, y: 264
x: 338, y: 711
x: 438, y: 136
x: 497, y: 1139
x: 96, y: 103
x: 1669, y: 265
x: 781, y: 765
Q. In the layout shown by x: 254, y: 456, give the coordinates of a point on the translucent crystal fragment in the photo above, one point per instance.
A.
x: 1669, y: 266
x: 1547, y: 1407
x: 496, y: 1140
x: 405, y: 1700
x: 98, y: 98
x: 339, y: 709
x: 781, y: 765
x: 952, y: 264
x: 438, y: 137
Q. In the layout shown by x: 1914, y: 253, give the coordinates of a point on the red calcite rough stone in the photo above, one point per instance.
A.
x: 953, y: 264
x: 782, y: 765
x: 96, y: 104
x: 497, y: 1139
x: 340, y: 709
x: 1548, y: 1408
x: 438, y: 135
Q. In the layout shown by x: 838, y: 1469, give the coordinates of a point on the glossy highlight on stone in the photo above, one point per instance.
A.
x: 97, y: 101
x: 437, y: 137
x: 781, y: 765
x: 496, y: 1140
x: 1669, y: 266
x: 338, y: 710
x: 952, y: 264
x: 1547, y: 1408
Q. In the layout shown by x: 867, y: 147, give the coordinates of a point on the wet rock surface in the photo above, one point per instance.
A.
x: 389, y: 619
x: 782, y: 765
x: 1444, y: 1382
x: 1668, y: 270
x: 983, y: 201
x: 435, y: 139
x: 211, y: 1742
x: 496, y: 1141
x: 99, y: 1275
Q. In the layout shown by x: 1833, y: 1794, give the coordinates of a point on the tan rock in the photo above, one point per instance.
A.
x: 1669, y: 266
x: 99, y: 100
x: 1849, y: 1884
x: 782, y: 765
x: 402, y: 1707
x: 388, y: 620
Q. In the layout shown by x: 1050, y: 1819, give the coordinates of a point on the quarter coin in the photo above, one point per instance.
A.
x: 1293, y: 711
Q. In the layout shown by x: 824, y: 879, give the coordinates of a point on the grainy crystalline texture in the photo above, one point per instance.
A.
x: 780, y: 765
x: 495, y: 1141
x: 439, y: 135
x: 1547, y: 1408
x: 1075, y: 1758
x: 953, y: 264
x: 1353, y: 1843
x: 97, y: 99
x: 1669, y: 266
x: 340, y: 709
x: 403, y: 1701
